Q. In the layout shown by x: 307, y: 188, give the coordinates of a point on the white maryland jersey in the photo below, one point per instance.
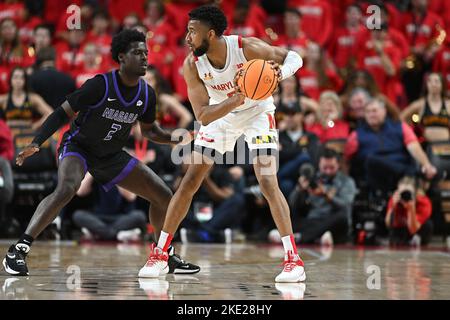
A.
x: 219, y: 83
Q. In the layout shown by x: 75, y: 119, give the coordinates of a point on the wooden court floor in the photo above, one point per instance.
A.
x: 231, y: 272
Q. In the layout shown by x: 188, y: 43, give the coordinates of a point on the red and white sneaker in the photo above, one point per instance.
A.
x: 294, y: 269
x: 156, y: 264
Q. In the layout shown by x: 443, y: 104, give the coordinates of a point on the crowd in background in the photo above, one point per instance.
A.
x: 364, y: 125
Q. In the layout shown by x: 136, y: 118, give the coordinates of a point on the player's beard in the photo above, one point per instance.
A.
x: 202, y: 49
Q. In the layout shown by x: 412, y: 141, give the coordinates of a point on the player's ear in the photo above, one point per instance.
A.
x: 120, y: 56
x: 211, y: 34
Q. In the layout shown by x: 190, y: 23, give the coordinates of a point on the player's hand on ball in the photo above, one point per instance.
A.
x: 27, y: 152
x: 275, y: 66
x: 237, y: 98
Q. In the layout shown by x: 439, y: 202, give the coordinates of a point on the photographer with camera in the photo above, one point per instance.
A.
x: 321, y: 202
x: 408, y: 215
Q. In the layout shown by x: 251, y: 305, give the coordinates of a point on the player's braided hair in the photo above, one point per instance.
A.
x: 212, y: 16
x: 122, y: 40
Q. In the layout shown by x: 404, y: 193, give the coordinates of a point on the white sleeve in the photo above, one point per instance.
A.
x: 291, y: 64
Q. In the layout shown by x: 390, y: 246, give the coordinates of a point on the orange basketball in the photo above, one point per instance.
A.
x: 258, y: 80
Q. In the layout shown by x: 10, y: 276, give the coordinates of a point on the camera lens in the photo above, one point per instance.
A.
x: 406, y: 195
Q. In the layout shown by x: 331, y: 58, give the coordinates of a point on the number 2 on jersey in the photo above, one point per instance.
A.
x: 114, y: 128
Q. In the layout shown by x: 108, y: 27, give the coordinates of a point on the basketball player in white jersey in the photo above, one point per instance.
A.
x: 225, y: 114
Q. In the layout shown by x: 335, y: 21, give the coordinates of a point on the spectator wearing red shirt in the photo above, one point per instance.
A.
x: 12, y: 11
x: 161, y: 41
x: 408, y: 215
x: 12, y: 52
x: 120, y: 9
x: 6, y: 142
x: 6, y: 175
x: 318, y: 73
x: 441, y: 64
x: 92, y: 65
x: 27, y: 27
x: 247, y: 20
x: 382, y: 150
x: 394, y: 34
x: 330, y: 125
x: 178, y: 14
x: 317, y: 21
x: 293, y: 37
x: 345, y: 41
x: 379, y: 56
x: 424, y: 31
x: 100, y: 35
x: 42, y: 38
x: 54, y: 8
x: 70, y: 53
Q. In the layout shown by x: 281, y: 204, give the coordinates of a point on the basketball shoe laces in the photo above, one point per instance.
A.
x: 156, y: 256
x: 290, y: 263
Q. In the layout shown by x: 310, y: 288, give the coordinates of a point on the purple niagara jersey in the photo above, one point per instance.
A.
x: 107, y: 110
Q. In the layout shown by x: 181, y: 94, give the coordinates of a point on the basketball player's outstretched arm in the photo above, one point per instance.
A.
x: 198, y: 96
x: 155, y: 133
x: 54, y: 121
x: 285, y: 62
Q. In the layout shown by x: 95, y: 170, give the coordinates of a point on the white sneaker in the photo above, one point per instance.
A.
x: 294, y: 269
x: 326, y: 239
x: 291, y: 291
x: 129, y: 235
x: 156, y: 264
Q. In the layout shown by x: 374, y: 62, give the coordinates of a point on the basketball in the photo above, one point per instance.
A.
x: 257, y: 80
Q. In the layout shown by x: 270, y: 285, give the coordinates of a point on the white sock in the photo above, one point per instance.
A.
x: 164, y: 240
x: 289, y: 244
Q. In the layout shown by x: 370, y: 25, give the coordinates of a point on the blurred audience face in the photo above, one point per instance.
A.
x: 354, y: 16
x: 379, y: 34
x: 328, y: 166
x: 434, y: 84
x: 100, y: 24
x: 42, y: 38
x: 421, y: 5
x: 375, y: 114
x: 76, y: 37
x: 8, y: 30
x: 241, y: 13
x: 357, y: 102
x: 18, y: 79
x: 328, y: 109
x: 91, y: 55
x: 291, y: 22
x: 153, y: 10
x: 361, y: 80
x: 130, y: 21
x: 293, y: 121
x: 313, y: 52
x: 289, y: 85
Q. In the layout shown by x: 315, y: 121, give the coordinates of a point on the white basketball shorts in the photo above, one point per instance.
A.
x: 257, y: 124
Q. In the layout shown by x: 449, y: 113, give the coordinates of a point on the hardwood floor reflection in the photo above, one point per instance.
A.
x: 234, y: 272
